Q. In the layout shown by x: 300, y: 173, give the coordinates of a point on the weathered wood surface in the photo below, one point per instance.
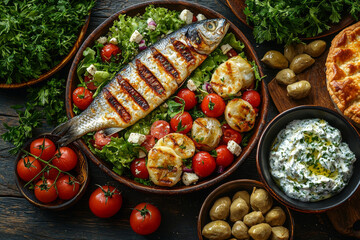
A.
x: 21, y: 220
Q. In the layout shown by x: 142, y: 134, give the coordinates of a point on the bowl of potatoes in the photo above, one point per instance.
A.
x: 243, y: 209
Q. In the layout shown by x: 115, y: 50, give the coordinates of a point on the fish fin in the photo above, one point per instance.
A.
x: 111, y: 131
x: 67, y: 131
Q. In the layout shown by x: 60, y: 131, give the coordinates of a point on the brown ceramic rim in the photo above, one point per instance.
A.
x: 267, y: 186
x: 106, y: 167
x: 346, y: 20
x: 58, y: 66
x: 249, y: 182
x: 67, y: 203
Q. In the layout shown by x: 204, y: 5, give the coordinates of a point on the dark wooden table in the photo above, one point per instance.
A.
x: 21, y: 220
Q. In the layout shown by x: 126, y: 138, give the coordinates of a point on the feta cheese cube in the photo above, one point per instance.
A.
x: 113, y: 41
x: 234, y: 148
x: 200, y: 17
x: 136, y: 37
x: 91, y: 69
x: 165, y: 105
x: 102, y: 40
x: 225, y: 48
x: 142, y: 154
x: 191, y: 85
x: 136, y: 138
x: 186, y: 16
x: 189, y: 178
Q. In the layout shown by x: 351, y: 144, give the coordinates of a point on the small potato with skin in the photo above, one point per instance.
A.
x: 299, y: 89
x: 242, y: 194
x: 275, y: 217
x: 221, y: 209
x: 260, y: 231
x: 315, y: 48
x: 217, y: 230
x: 275, y: 59
x: 279, y: 233
x: 260, y: 200
x: 289, y: 52
x: 301, y: 62
x: 253, y: 218
x: 240, y: 231
x: 286, y: 77
x: 238, y: 209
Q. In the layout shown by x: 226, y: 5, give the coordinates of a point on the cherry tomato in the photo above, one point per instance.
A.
x: 231, y: 53
x: 213, y: 105
x: 101, y: 139
x: 145, y: 219
x: 194, y: 18
x: 65, y: 159
x: 28, y: 167
x: 110, y: 50
x: 203, y: 164
x: 45, y: 191
x: 52, y: 173
x: 148, y: 143
x: 225, y: 126
x: 82, y: 97
x: 138, y: 168
x: 43, y: 148
x: 89, y: 84
x: 189, y: 98
x: 252, y: 97
x: 231, y: 134
x: 159, y: 129
x: 67, y: 187
x: 182, y: 122
x: 105, y: 201
x: 224, y: 157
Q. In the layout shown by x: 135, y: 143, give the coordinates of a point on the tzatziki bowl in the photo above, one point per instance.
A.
x: 308, y: 158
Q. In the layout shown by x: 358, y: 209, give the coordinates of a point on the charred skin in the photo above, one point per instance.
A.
x: 150, y: 79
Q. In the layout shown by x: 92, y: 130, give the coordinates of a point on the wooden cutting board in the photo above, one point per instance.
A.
x: 346, y: 217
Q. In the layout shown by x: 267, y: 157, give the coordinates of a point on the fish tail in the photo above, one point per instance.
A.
x: 68, y: 132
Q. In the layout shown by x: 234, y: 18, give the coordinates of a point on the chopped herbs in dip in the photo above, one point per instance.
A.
x: 309, y: 161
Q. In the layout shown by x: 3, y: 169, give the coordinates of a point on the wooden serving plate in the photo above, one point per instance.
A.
x: 58, y: 66
x: 238, y: 6
x: 72, y: 82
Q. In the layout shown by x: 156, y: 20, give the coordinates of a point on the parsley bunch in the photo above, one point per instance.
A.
x: 36, y: 35
x: 286, y: 20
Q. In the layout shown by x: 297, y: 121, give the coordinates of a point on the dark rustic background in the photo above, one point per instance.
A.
x: 21, y: 220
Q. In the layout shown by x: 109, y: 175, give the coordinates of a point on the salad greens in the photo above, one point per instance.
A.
x: 35, y: 35
x: 286, y: 20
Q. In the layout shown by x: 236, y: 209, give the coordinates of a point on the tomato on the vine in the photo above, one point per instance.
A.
x: 52, y: 173
x: 138, y: 168
x: 65, y: 159
x: 28, y: 167
x: 45, y: 191
x: 213, y: 105
x: 231, y: 134
x: 203, y: 164
x: 182, y: 122
x: 160, y: 129
x: 67, y: 187
x: 189, y: 98
x: 224, y: 157
x: 110, y: 50
x: 101, y: 139
x: 252, y: 97
x: 82, y: 97
x: 105, y: 201
x: 43, y: 148
x: 145, y: 219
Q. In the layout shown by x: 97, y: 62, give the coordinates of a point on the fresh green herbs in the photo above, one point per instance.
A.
x: 35, y: 35
x: 286, y: 20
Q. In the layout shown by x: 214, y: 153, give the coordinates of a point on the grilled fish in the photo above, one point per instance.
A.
x: 147, y: 81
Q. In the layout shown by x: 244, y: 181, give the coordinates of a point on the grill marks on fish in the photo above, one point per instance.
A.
x: 139, y: 100
x: 114, y: 103
x: 149, y: 78
x: 184, y: 51
x: 168, y: 67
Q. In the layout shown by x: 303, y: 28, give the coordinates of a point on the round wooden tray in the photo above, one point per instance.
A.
x: 238, y: 6
x: 72, y: 82
x: 58, y: 66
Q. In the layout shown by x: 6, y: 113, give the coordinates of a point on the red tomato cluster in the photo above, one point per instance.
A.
x: 47, y: 175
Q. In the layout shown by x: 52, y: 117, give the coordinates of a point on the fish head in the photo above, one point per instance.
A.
x: 205, y: 36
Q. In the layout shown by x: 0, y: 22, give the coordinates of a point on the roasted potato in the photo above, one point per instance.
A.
x: 315, y: 48
x: 238, y: 209
x: 253, y: 218
x: 286, y: 77
x: 299, y: 89
x: 260, y: 200
x: 221, y: 209
x: 217, y: 230
x: 242, y: 194
x: 275, y: 59
x: 301, y: 62
x: 260, y: 231
x: 240, y: 231
x: 275, y: 217
x: 279, y: 233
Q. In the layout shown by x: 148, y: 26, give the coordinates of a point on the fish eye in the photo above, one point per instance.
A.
x: 211, y: 26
